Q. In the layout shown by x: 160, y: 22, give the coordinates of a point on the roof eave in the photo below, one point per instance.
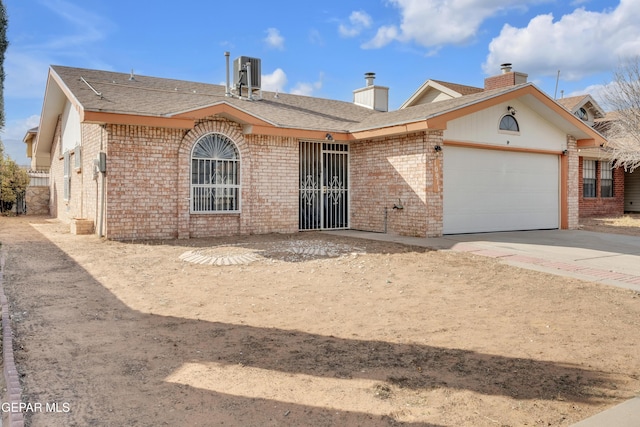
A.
x: 584, y: 134
x: 55, y: 96
x: 224, y: 109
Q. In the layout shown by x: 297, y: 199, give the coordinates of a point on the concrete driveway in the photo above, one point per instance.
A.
x: 607, y: 258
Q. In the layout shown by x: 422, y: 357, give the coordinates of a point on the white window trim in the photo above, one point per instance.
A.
x: 592, y: 171
x: 77, y: 157
x: 606, y: 167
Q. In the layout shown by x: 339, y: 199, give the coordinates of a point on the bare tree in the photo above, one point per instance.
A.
x: 622, y: 127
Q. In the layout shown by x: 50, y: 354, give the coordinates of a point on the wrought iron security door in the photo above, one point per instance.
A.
x: 324, y: 186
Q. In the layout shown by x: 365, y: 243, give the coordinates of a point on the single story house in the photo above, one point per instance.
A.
x: 140, y: 157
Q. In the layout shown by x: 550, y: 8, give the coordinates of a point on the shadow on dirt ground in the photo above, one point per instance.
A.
x: 77, y: 342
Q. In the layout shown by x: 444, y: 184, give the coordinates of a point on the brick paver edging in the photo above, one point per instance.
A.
x: 14, y: 390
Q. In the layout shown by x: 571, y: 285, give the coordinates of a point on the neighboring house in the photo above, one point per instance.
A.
x: 631, y: 179
x: 602, y: 187
x: 437, y: 90
x: 37, y: 195
x: 149, y: 158
x: 29, y: 139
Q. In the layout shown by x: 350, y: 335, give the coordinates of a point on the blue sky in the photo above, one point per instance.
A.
x: 319, y: 49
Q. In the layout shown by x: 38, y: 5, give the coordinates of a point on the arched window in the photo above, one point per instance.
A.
x: 215, y: 175
x: 582, y: 114
x: 509, y: 123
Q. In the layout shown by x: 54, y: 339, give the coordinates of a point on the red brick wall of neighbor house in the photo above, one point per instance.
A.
x: 405, y: 171
x: 602, y: 206
x: 499, y: 81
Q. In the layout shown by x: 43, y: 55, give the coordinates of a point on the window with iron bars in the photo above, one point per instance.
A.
x: 215, y: 175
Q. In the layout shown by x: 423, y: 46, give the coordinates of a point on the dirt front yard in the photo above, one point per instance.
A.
x: 306, y: 330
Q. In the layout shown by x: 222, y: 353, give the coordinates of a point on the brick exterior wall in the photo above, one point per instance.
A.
x: 148, y: 176
x: 510, y: 78
x: 94, y: 139
x: 574, y: 189
x: 85, y: 186
x: 602, y: 206
x: 403, y: 170
x: 148, y: 183
x: 269, y: 180
x: 142, y: 174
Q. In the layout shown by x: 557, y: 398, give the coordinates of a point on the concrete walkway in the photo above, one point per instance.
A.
x: 610, y: 259
x: 626, y: 414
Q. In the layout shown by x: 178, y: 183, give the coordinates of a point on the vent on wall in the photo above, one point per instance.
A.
x: 241, y: 72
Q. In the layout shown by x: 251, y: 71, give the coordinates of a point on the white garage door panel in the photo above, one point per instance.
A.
x: 491, y: 190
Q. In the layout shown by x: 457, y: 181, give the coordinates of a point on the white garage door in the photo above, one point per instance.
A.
x: 492, y: 190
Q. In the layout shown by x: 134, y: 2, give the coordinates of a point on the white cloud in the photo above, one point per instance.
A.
x: 275, y: 81
x: 86, y: 26
x: 26, y: 74
x: 26, y: 64
x: 307, y: 89
x: 359, y: 21
x: 274, y: 39
x: 598, y: 92
x: 579, y: 44
x: 383, y: 37
x: 17, y: 129
x: 315, y: 37
x: 439, y: 22
x: 14, y: 133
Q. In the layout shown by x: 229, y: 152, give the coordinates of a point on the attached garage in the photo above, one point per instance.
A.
x: 498, y: 190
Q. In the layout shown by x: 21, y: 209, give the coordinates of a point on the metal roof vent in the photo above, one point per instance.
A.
x: 369, y: 77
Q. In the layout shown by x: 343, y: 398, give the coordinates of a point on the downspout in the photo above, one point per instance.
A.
x: 102, y: 186
x: 102, y: 203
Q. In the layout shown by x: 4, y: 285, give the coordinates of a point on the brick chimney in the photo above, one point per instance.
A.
x: 506, y: 79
